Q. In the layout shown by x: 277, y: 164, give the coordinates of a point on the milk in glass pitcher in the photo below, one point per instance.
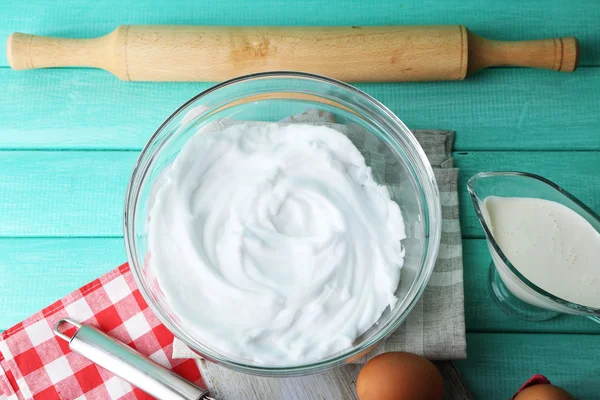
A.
x: 545, y: 245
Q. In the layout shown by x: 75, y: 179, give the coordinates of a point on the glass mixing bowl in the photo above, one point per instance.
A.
x: 273, y: 97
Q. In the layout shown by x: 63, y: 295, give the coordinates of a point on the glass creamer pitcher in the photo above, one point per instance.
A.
x: 513, y: 291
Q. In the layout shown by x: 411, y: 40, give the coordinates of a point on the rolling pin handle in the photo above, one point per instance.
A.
x: 558, y: 54
x: 17, y: 51
x: 25, y: 51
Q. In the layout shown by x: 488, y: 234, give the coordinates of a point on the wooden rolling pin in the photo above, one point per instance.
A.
x: 353, y: 54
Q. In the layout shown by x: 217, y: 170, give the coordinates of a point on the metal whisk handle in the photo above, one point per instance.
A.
x: 128, y: 364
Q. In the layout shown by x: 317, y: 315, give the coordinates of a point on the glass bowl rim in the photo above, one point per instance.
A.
x: 430, y: 202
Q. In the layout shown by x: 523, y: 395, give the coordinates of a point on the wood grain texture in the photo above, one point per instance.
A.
x: 81, y: 193
x: 498, y: 109
x: 180, y: 53
x: 577, y: 172
x: 483, y: 314
x: 499, y: 364
x: 338, y: 383
x: 204, y: 53
x: 455, y: 388
x: 558, y: 54
x: 511, y: 20
x: 503, y: 118
x: 63, y: 193
x: 34, y: 272
x: 223, y: 384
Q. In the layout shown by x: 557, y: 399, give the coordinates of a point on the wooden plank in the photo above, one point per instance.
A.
x: 495, y: 20
x: 81, y: 193
x: 483, y: 314
x: 498, y: 364
x: 337, y: 383
x: 224, y: 384
x: 35, y: 272
x: 63, y: 193
x: 577, y: 172
x: 84, y: 109
x: 500, y: 109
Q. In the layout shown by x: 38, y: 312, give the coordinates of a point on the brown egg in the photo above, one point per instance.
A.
x: 399, y: 376
x: 544, y: 392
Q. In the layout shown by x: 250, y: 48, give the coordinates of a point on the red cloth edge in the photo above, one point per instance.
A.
x: 9, y: 389
x: 537, y: 379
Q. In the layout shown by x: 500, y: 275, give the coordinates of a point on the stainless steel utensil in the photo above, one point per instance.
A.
x: 128, y: 364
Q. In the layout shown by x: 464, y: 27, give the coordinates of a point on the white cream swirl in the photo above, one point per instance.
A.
x: 274, y: 243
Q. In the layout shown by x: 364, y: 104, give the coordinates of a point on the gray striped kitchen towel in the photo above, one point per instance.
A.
x: 435, y: 327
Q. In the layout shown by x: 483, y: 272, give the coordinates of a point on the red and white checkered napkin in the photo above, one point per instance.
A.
x: 34, y: 364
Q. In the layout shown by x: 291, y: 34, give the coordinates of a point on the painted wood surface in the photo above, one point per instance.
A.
x: 510, y: 20
x: 499, y: 363
x: 69, y: 138
x: 81, y: 193
x: 497, y: 109
x: 34, y: 272
x: 337, y: 383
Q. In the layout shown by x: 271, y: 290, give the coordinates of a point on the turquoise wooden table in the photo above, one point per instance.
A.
x: 69, y: 139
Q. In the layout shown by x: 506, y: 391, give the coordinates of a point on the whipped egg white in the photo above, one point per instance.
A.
x: 274, y: 243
